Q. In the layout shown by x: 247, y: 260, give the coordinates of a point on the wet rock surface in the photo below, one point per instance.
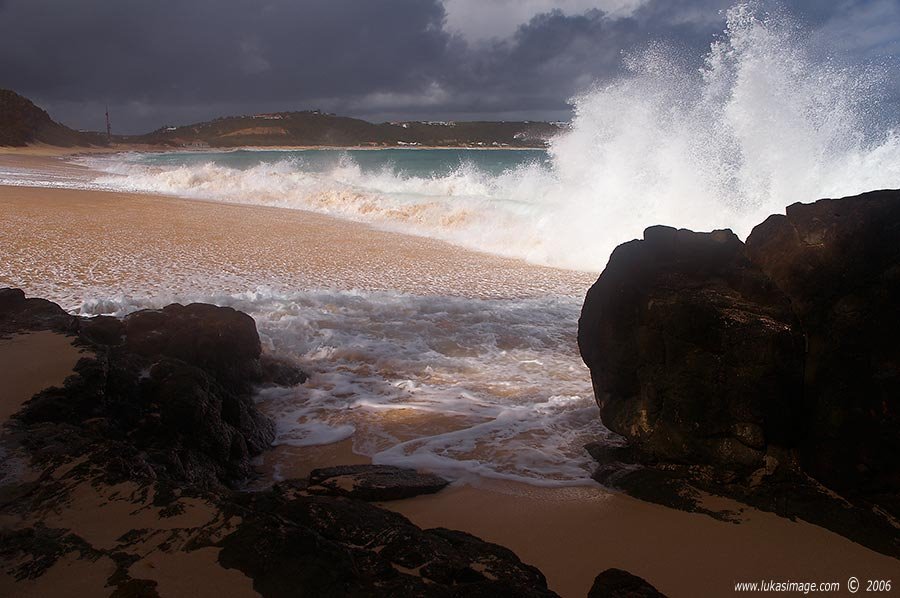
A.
x: 693, y: 352
x: 768, y: 372
x: 615, y: 583
x: 373, y: 482
x: 166, y: 394
x: 838, y: 261
x: 135, y: 461
x: 289, y: 541
x: 19, y: 313
x: 219, y: 340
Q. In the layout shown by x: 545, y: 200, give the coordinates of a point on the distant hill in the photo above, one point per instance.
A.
x: 315, y: 128
x: 21, y: 123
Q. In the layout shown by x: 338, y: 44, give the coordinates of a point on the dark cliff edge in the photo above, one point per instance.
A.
x: 137, y: 461
x: 768, y: 371
x: 23, y: 123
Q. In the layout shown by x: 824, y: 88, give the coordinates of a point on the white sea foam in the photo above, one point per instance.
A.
x: 496, y: 388
x: 460, y: 386
x: 761, y: 125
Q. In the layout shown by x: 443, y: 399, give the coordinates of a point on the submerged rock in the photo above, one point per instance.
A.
x: 615, y: 583
x: 373, y: 482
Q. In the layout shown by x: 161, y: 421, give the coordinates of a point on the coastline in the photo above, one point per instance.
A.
x: 572, y: 532
x: 42, y: 150
x: 219, y: 248
x: 89, y: 240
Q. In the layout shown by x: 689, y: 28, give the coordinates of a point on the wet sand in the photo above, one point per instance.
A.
x: 70, y: 245
x: 31, y: 362
x: 100, y: 514
x: 572, y: 534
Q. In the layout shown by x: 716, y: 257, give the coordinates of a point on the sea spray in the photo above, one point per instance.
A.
x: 763, y: 123
x: 496, y: 387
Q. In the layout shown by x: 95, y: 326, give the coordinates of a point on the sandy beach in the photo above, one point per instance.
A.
x: 67, y: 245
x: 151, y: 245
x: 37, y: 360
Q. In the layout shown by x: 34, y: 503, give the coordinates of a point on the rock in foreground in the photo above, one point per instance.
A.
x: 615, y: 583
x: 122, y: 480
x: 838, y: 260
x: 373, y: 482
x: 694, y: 353
x: 293, y: 544
x: 167, y: 393
x: 743, y: 369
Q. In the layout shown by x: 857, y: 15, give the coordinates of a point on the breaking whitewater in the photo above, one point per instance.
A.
x: 494, y: 387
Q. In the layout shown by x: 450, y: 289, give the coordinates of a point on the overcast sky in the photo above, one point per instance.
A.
x: 161, y: 62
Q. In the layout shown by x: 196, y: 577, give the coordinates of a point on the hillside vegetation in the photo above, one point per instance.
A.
x: 22, y: 123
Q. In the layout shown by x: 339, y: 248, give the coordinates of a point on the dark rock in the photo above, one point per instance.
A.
x: 838, y: 260
x: 166, y: 395
x: 742, y: 371
x: 694, y: 353
x: 373, y: 482
x: 280, y: 372
x: 102, y: 330
x: 606, y: 453
x: 220, y: 340
x: 20, y: 314
x: 161, y: 404
x: 170, y: 421
x: 10, y: 298
x: 325, y: 546
x: 615, y: 583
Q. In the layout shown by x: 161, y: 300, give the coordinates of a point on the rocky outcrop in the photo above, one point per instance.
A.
x: 149, y: 438
x: 615, y: 583
x: 20, y: 313
x: 293, y: 544
x: 165, y: 396
x: 218, y: 340
x: 744, y: 369
x: 373, y: 482
x: 838, y: 260
x: 694, y: 354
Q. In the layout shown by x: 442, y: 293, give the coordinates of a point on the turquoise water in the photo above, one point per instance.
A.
x: 402, y: 162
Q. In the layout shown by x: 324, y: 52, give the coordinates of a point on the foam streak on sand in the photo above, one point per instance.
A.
x: 457, y: 386
x: 488, y: 381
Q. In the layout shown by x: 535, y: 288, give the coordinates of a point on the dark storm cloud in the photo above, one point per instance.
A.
x: 178, y: 61
x: 171, y: 49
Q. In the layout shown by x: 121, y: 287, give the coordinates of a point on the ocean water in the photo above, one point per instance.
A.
x: 467, y: 386
x: 763, y: 123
